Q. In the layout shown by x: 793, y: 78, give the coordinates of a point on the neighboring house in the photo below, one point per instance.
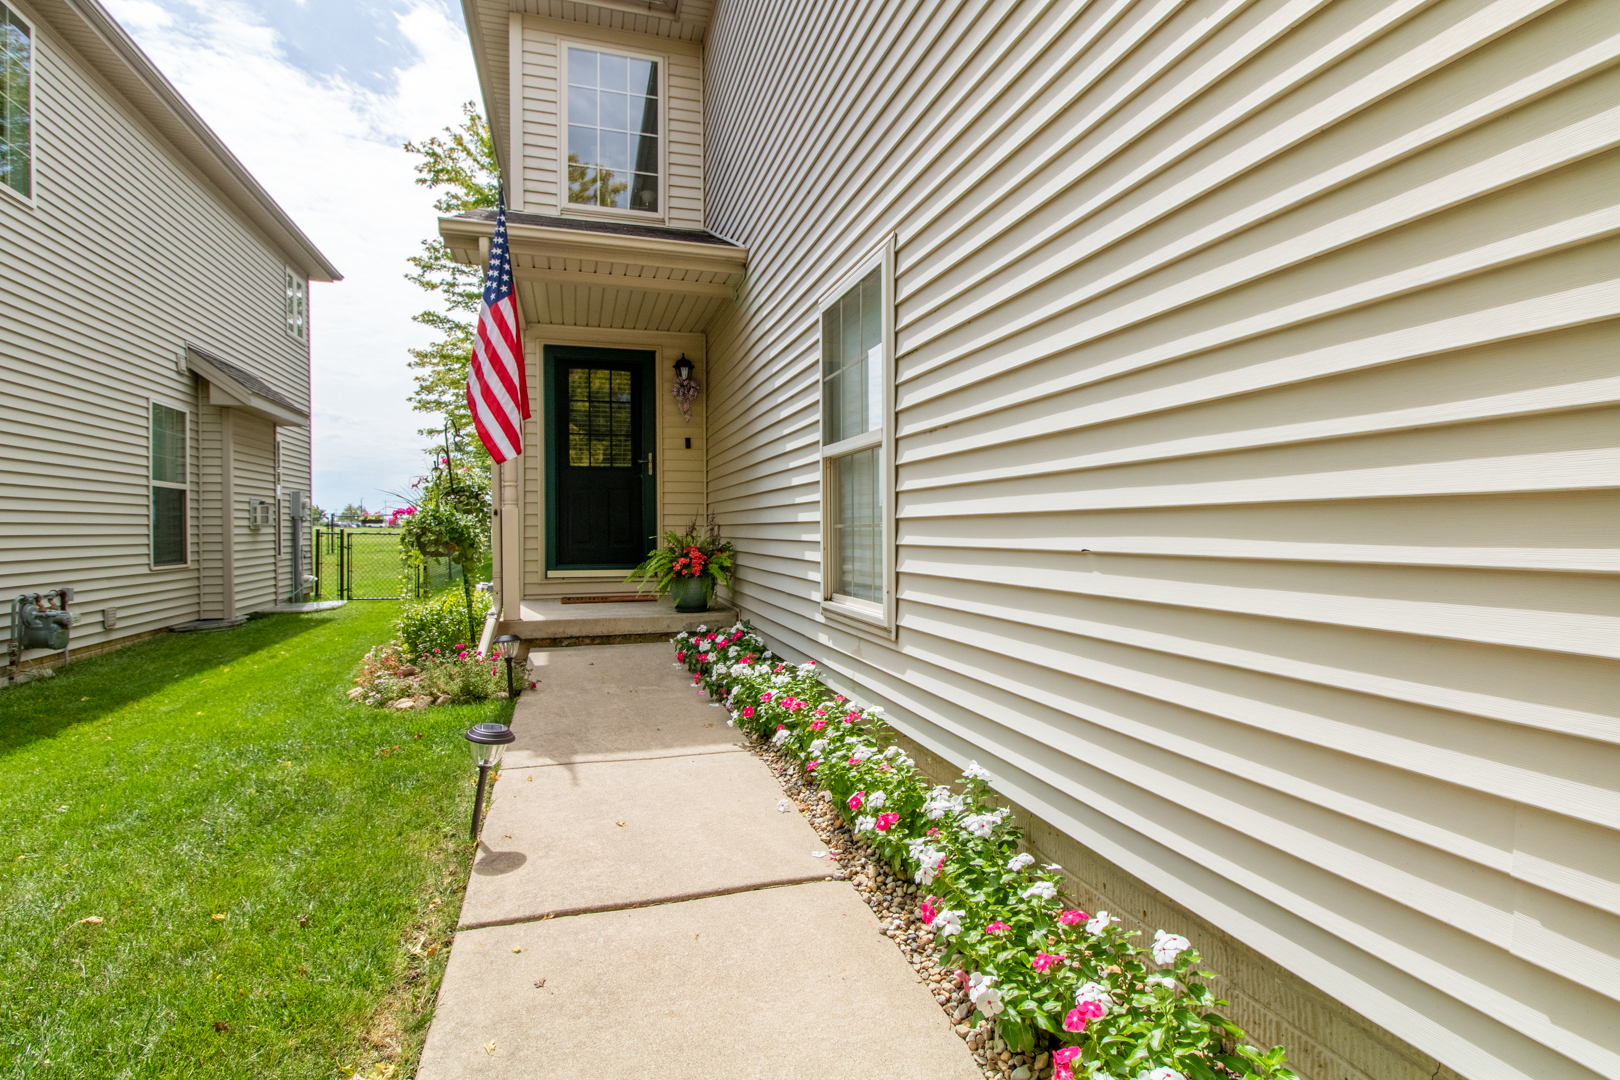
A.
x: 1203, y: 415
x: 154, y: 342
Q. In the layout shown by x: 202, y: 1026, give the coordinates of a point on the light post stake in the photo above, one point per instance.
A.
x: 488, y: 743
x: 508, y: 644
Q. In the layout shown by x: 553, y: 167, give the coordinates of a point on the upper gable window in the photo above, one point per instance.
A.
x: 612, y: 130
x: 297, y: 306
x: 16, y: 103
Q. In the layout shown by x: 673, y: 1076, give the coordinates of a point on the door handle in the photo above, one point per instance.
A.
x: 649, y: 463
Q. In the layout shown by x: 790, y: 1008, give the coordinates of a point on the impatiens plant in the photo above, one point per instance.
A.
x: 1045, y: 972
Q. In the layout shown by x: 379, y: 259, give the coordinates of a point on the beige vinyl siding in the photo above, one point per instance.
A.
x: 680, y: 471
x: 156, y: 261
x: 256, y: 563
x: 1256, y: 464
x: 541, y: 138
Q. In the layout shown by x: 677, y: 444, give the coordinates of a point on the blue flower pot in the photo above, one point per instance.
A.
x: 691, y: 594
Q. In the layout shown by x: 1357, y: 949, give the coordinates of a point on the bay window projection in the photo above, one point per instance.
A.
x: 612, y: 130
x: 853, y: 376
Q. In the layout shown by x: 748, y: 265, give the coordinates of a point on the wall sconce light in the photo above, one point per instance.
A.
x: 686, y: 388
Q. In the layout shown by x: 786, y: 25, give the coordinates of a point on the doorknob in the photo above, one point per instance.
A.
x: 649, y: 463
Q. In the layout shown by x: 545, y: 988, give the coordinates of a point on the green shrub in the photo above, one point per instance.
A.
x: 439, y: 623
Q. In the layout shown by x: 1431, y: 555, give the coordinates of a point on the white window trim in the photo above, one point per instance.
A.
x: 29, y: 200
x: 854, y: 612
x: 191, y: 500
x: 612, y: 213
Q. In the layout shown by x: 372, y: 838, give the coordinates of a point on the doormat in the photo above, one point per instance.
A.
x: 612, y: 598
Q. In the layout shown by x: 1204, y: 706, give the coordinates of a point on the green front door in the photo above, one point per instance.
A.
x: 600, y: 469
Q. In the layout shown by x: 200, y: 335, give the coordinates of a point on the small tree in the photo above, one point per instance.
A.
x: 353, y: 512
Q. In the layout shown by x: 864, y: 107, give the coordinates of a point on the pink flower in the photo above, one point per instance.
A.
x: 680, y: 656
x: 854, y: 761
x: 1063, y: 1061
x: 997, y: 927
x: 533, y: 684
x: 1073, y: 918
x: 781, y: 727
x: 766, y: 696
x: 932, y: 832
x: 812, y: 766
x: 817, y: 725
x: 697, y: 677
x: 886, y: 821
x: 795, y: 705
x: 1044, y: 961
x: 928, y: 910
x: 809, y: 663
x: 852, y: 717
x: 885, y: 767
x: 1082, y: 1014
x: 839, y: 697
x: 748, y: 712
x: 856, y: 800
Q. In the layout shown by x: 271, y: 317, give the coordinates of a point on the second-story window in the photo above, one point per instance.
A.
x: 296, y: 305
x: 16, y: 104
x: 612, y: 130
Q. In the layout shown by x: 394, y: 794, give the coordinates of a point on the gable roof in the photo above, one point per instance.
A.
x: 97, y: 37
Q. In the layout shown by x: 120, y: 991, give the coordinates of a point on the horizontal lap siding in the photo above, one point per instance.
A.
x: 156, y: 261
x: 1257, y: 454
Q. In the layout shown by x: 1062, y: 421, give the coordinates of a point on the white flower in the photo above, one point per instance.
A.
x: 1100, y: 922
x: 1052, y: 866
x: 982, y: 825
x: 1161, y: 980
x: 1019, y: 861
x: 928, y: 858
x: 703, y: 629
x: 877, y: 799
x: 892, y: 751
x: 876, y: 709
x: 941, y: 802
x: 817, y: 747
x: 861, y: 753
x: 983, y: 993
x: 1094, y: 992
x: 1163, y: 1072
x: 948, y: 923
x: 973, y: 772
x: 783, y: 806
x: 1166, y: 947
x: 1043, y: 890
x: 732, y: 722
x: 780, y: 737
x: 866, y: 823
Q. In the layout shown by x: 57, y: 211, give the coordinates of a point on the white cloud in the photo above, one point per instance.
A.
x: 328, y: 150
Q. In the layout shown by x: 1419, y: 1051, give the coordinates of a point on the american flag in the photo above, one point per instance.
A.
x: 497, y: 390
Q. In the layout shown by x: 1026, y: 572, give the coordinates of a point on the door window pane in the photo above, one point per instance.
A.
x: 857, y: 527
x: 612, y: 130
x: 601, y: 420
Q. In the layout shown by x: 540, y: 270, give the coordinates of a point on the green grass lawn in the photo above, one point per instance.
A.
x: 173, y: 782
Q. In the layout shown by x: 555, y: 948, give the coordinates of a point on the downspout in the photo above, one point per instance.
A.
x: 227, y: 545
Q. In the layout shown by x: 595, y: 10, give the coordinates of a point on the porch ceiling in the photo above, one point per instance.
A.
x: 609, y: 275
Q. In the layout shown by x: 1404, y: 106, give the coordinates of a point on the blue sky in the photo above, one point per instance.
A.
x: 316, y: 97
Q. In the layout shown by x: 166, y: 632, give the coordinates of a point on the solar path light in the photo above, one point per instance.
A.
x: 508, y: 646
x: 488, y: 743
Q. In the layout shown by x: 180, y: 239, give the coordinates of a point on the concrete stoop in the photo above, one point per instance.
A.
x: 640, y: 908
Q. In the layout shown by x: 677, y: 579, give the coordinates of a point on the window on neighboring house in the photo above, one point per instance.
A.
x: 297, y: 315
x: 168, y: 486
x: 16, y: 103
x: 612, y: 130
x: 854, y: 421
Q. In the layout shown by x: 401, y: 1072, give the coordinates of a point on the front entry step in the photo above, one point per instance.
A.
x: 550, y: 623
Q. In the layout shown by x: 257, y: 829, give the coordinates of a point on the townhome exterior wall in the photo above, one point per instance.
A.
x: 125, y: 255
x: 1255, y: 468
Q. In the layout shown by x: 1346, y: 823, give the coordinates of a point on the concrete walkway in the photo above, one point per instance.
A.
x: 640, y: 909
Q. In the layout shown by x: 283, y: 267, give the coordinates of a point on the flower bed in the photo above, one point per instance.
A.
x: 388, y: 677
x: 1049, y: 976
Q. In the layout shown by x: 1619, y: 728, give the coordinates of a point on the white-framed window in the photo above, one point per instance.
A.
x: 614, y: 134
x: 16, y: 103
x: 297, y: 304
x: 857, y: 442
x: 169, y: 486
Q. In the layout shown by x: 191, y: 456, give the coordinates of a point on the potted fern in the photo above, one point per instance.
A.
x: 689, y: 564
